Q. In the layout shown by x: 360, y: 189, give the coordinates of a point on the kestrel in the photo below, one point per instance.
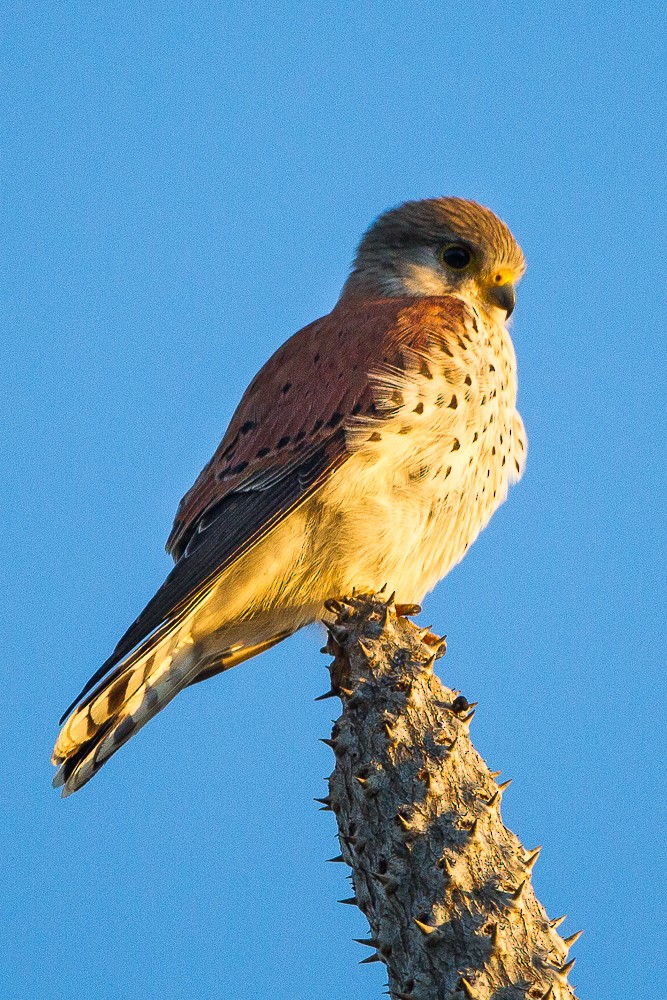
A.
x: 371, y: 449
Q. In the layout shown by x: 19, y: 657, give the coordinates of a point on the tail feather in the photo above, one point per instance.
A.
x: 138, y: 689
x: 118, y: 710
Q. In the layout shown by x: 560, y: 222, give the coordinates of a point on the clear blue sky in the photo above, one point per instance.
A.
x: 183, y: 187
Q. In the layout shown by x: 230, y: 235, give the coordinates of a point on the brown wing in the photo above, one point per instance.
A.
x: 287, y: 437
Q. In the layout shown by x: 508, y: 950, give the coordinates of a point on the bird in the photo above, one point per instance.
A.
x: 369, y: 450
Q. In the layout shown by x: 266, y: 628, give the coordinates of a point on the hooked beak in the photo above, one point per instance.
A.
x: 503, y: 296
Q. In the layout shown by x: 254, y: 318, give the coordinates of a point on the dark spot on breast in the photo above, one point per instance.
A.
x: 300, y: 436
x: 520, y: 443
x: 488, y: 473
x: 419, y: 408
x: 467, y: 380
x: 334, y: 419
x: 482, y: 401
x: 405, y: 429
x: 503, y: 461
x: 375, y: 436
x: 449, y: 469
x: 440, y: 401
x: 456, y: 445
x: 501, y: 439
x: 286, y: 387
x: 424, y: 368
x: 493, y: 450
x: 284, y: 441
x: 316, y: 426
x: 474, y: 325
x: 263, y: 452
x: 492, y: 368
x: 474, y: 437
x: 356, y: 409
x: 248, y: 426
x: 316, y: 358
x: 453, y: 403
x: 518, y: 467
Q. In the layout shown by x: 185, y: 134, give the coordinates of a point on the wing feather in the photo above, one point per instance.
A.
x: 286, y: 438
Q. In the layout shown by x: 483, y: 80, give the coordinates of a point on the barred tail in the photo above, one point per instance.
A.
x: 120, y: 707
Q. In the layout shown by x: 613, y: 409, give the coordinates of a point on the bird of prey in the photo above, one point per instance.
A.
x: 370, y: 449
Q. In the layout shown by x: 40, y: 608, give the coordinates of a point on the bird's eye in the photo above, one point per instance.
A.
x: 456, y: 256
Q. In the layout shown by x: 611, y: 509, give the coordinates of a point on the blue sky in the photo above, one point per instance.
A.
x: 183, y: 187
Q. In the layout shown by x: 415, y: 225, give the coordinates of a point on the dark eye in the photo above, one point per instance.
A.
x: 456, y: 256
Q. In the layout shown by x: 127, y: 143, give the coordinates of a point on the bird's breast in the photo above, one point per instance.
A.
x: 429, y: 472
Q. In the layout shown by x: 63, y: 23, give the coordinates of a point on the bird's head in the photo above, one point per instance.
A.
x: 439, y: 246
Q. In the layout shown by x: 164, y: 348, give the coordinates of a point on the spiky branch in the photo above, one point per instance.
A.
x: 445, y: 886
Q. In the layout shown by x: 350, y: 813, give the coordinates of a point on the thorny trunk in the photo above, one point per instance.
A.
x: 445, y: 886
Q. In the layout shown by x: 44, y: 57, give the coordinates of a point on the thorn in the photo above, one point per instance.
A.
x: 327, y: 694
x: 339, y: 857
x: 333, y: 605
x: 325, y: 802
x: 494, y: 774
x: 362, y: 781
x: 548, y: 995
x: 557, y: 921
x: 472, y: 829
x: 328, y: 743
x: 495, y: 936
x: 446, y: 864
x: 404, y: 822
x: 346, y: 691
x: 390, y: 599
x: 529, y: 861
x: 371, y: 958
x: 518, y: 892
x: 382, y: 588
x: 467, y: 988
x: 491, y: 801
x: 366, y: 650
x: 467, y: 719
x: 572, y: 939
x: 505, y: 784
x: 389, y: 731
x: 369, y: 942
x: 563, y: 971
x: 426, y: 929
x: 352, y: 901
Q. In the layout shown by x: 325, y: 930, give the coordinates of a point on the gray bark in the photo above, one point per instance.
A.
x: 445, y: 886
